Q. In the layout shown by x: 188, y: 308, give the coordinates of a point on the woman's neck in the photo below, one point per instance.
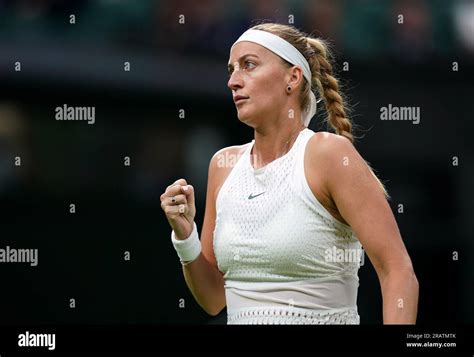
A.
x: 273, y: 143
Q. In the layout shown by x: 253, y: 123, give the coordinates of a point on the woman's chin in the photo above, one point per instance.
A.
x: 247, y: 118
x: 243, y: 117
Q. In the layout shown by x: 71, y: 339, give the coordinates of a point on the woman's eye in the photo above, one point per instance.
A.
x: 249, y: 64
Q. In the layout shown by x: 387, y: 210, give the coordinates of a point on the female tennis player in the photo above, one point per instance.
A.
x: 288, y: 213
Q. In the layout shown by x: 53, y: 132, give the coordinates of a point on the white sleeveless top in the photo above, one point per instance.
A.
x: 285, y: 258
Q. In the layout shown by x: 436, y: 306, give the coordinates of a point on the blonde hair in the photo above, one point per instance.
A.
x: 319, y: 57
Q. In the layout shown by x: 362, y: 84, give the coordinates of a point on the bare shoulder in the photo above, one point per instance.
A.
x: 328, y: 156
x: 332, y: 153
x: 326, y: 145
x: 222, y: 163
x: 228, y: 154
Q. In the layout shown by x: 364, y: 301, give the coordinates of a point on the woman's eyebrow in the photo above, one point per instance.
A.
x: 229, y: 65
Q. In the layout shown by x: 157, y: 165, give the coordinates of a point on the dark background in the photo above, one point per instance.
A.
x: 183, y: 66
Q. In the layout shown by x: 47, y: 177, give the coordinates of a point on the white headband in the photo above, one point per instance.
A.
x: 289, y: 53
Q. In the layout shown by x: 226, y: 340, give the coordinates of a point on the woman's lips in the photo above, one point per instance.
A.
x: 239, y: 98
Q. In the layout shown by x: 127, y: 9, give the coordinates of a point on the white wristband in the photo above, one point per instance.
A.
x: 188, y: 249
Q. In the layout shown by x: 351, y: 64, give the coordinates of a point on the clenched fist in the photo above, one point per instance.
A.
x: 178, y: 204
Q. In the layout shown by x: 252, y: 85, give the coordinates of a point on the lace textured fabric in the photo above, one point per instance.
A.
x: 293, y: 316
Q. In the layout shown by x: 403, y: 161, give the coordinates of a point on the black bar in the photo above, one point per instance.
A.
x: 246, y: 339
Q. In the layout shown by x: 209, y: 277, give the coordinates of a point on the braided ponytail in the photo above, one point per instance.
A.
x: 328, y: 87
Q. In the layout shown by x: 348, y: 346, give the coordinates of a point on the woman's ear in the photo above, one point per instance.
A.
x: 295, y: 76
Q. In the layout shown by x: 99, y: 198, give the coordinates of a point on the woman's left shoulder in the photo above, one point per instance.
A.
x: 328, y: 147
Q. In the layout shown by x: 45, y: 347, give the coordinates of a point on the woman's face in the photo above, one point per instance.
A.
x: 257, y: 75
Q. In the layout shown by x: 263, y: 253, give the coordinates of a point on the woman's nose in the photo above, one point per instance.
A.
x: 235, y: 81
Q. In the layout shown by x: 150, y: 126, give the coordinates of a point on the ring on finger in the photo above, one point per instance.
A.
x: 173, y: 199
x: 181, y: 209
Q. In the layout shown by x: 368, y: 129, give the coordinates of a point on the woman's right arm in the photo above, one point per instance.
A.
x: 202, y: 275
